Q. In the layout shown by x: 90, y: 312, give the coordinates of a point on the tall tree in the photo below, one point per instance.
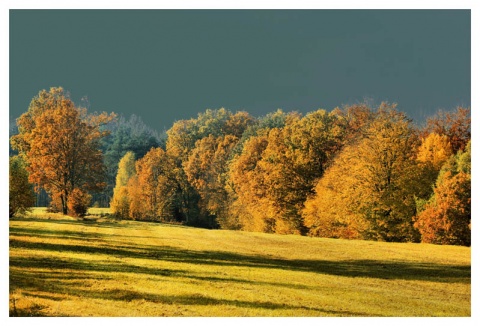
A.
x: 159, y: 190
x: 370, y: 188
x: 120, y: 201
x: 246, y: 189
x: 206, y: 170
x: 126, y: 135
x: 294, y: 157
x: 61, y: 145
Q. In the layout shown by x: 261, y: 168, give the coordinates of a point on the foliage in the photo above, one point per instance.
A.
x: 184, y: 134
x: 370, y: 188
x: 435, y: 149
x: 126, y: 169
x: 206, y: 171
x: 284, y: 172
x: 330, y: 212
x: 446, y: 218
x: 126, y: 135
x: 21, y: 195
x: 355, y: 172
x: 156, y: 191
x: 455, y: 125
x: 61, y: 145
x: 78, y: 202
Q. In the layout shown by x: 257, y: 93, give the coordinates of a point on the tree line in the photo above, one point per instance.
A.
x: 356, y: 172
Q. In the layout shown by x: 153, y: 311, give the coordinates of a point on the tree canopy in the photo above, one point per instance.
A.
x: 356, y: 172
x: 61, y: 146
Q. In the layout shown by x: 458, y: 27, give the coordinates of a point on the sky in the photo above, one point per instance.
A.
x: 168, y: 65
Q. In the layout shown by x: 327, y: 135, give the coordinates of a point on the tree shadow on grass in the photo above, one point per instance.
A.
x: 380, y: 269
x: 86, y: 222
x: 39, y: 276
x: 34, y: 285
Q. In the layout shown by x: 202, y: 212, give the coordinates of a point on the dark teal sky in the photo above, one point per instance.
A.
x: 168, y: 65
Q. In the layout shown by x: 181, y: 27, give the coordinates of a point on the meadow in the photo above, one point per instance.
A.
x: 99, y: 266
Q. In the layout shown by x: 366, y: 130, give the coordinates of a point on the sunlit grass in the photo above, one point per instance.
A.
x: 104, y: 267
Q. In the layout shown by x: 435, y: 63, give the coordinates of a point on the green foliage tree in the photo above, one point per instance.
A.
x: 21, y: 195
x: 181, y: 143
x: 184, y: 134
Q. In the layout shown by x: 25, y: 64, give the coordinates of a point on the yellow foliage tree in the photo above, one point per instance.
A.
x: 370, y: 188
x: 120, y: 203
x: 435, y: 149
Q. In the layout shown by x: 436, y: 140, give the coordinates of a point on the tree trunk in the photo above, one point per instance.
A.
x: 64, y: 204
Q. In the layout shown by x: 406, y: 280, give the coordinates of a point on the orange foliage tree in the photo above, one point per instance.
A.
x: 275, y: 172
x: 156, y: 191
x: 455, y: 125
x: 446, y: 218
x: 61, y: 146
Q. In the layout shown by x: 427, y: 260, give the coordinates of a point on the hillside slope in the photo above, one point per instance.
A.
x: 65, y: 267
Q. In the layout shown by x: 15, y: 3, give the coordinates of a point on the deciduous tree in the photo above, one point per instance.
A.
x: 120, y: 203
x: 435, y: 149
x: 456, y: 125
x: 206, y: 170
x: 61, y: 145
x: 446, y: 218
x: 370, y: 188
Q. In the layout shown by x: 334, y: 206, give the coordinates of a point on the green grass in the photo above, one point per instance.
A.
x: 61, y: 266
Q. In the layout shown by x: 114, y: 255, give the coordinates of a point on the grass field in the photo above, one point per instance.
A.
x: 60, y: 266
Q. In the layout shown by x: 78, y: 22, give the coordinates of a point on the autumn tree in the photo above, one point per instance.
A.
x: 206, y: 171
x: 370, y: 188
x: 435, y: 150
x: 126, y: 135
x: 183, y: 135
x: 247, y: 190
x: 120, y: 201
x: 286, y: 163
x: 181, y: 142
x: 61, y: 146
x: 21, y: 195
x: 456, y: 125
x: 157, y: 191
x: 446, y: 218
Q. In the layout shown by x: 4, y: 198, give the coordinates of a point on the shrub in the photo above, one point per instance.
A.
x: 78, y: 202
